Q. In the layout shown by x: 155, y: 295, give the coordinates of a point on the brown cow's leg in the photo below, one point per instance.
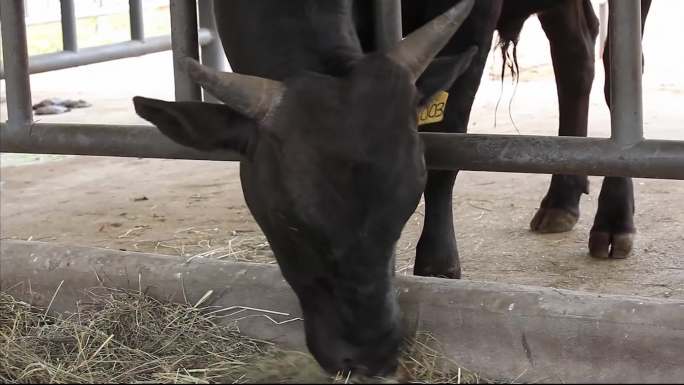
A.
x: 571, y: 28
x: 613, y: 232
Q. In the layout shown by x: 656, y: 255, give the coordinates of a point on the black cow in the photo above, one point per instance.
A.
x: 332, y: 163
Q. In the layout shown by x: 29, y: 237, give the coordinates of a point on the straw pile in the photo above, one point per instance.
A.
x: 128, y: 337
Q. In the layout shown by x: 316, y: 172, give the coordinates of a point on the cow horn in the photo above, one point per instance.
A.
x: 417, y: 50
x: 251, y: 96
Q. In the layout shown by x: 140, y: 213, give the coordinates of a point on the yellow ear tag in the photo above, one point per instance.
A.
x: 434, y: 112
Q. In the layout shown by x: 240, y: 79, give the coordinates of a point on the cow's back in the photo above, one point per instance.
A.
x: 276, y: 39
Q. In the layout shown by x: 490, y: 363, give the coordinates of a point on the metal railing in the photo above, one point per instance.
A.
x: 72, y: 56
x: 625, y: 154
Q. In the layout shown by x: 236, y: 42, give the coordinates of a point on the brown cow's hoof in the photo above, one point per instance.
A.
x: 551, y: 220
x: 606, y: 245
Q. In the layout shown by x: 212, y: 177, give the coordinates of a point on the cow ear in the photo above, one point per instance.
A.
x: 204, y: 126
x: 442, y: 73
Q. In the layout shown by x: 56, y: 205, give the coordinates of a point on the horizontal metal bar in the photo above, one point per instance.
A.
x: 101, y: 140
x: 68, y: 21
x: 61, y: 60
x: 505, y: 153
x: 663, y: 159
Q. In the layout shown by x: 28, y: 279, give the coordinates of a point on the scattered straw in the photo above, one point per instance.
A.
x: 121, y: 336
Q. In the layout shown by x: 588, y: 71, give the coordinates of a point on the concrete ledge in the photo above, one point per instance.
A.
x: 499, y: 330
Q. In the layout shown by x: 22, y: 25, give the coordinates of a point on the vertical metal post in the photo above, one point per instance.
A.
x: 69, y: 35
x: 626, y: 68
x: 184, y: 43
x: 212, y: 53
x: 135, y: 12
x: 603, y: 25
x: 387, y: 23
x: 15, y: 56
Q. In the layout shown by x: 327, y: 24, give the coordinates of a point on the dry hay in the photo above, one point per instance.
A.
x: 127, y: 337
x: 205, y: 242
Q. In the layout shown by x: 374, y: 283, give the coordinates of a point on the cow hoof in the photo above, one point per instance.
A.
x: 607, y: 245
x: 552, y: 220
x: 449, y: 274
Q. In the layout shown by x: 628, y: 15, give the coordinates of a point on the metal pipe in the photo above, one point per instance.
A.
x: 212, y: 53
x: 69, y: 33
x: 388, y: 29
x: 504, y: 153
x: 184, y: 43
x: 102, y: 140
x: 15, y: 57
x: 625, y: 78
x: 603, y: 26
x: 135, y: 11
x: 60, y: 60
x: 662, y: 159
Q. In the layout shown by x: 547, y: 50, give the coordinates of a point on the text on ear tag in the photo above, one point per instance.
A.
x: 434, y: 112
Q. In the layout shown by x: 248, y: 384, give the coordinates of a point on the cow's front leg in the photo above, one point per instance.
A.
x: 436, y: 252
x: 571, y: 28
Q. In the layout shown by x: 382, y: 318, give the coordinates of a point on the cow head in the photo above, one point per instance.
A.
x: 332, y: 168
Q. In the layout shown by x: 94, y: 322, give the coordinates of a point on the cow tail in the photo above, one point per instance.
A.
x: 507, y: 44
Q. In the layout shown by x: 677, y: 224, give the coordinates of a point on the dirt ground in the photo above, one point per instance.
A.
x: 196, y: 209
